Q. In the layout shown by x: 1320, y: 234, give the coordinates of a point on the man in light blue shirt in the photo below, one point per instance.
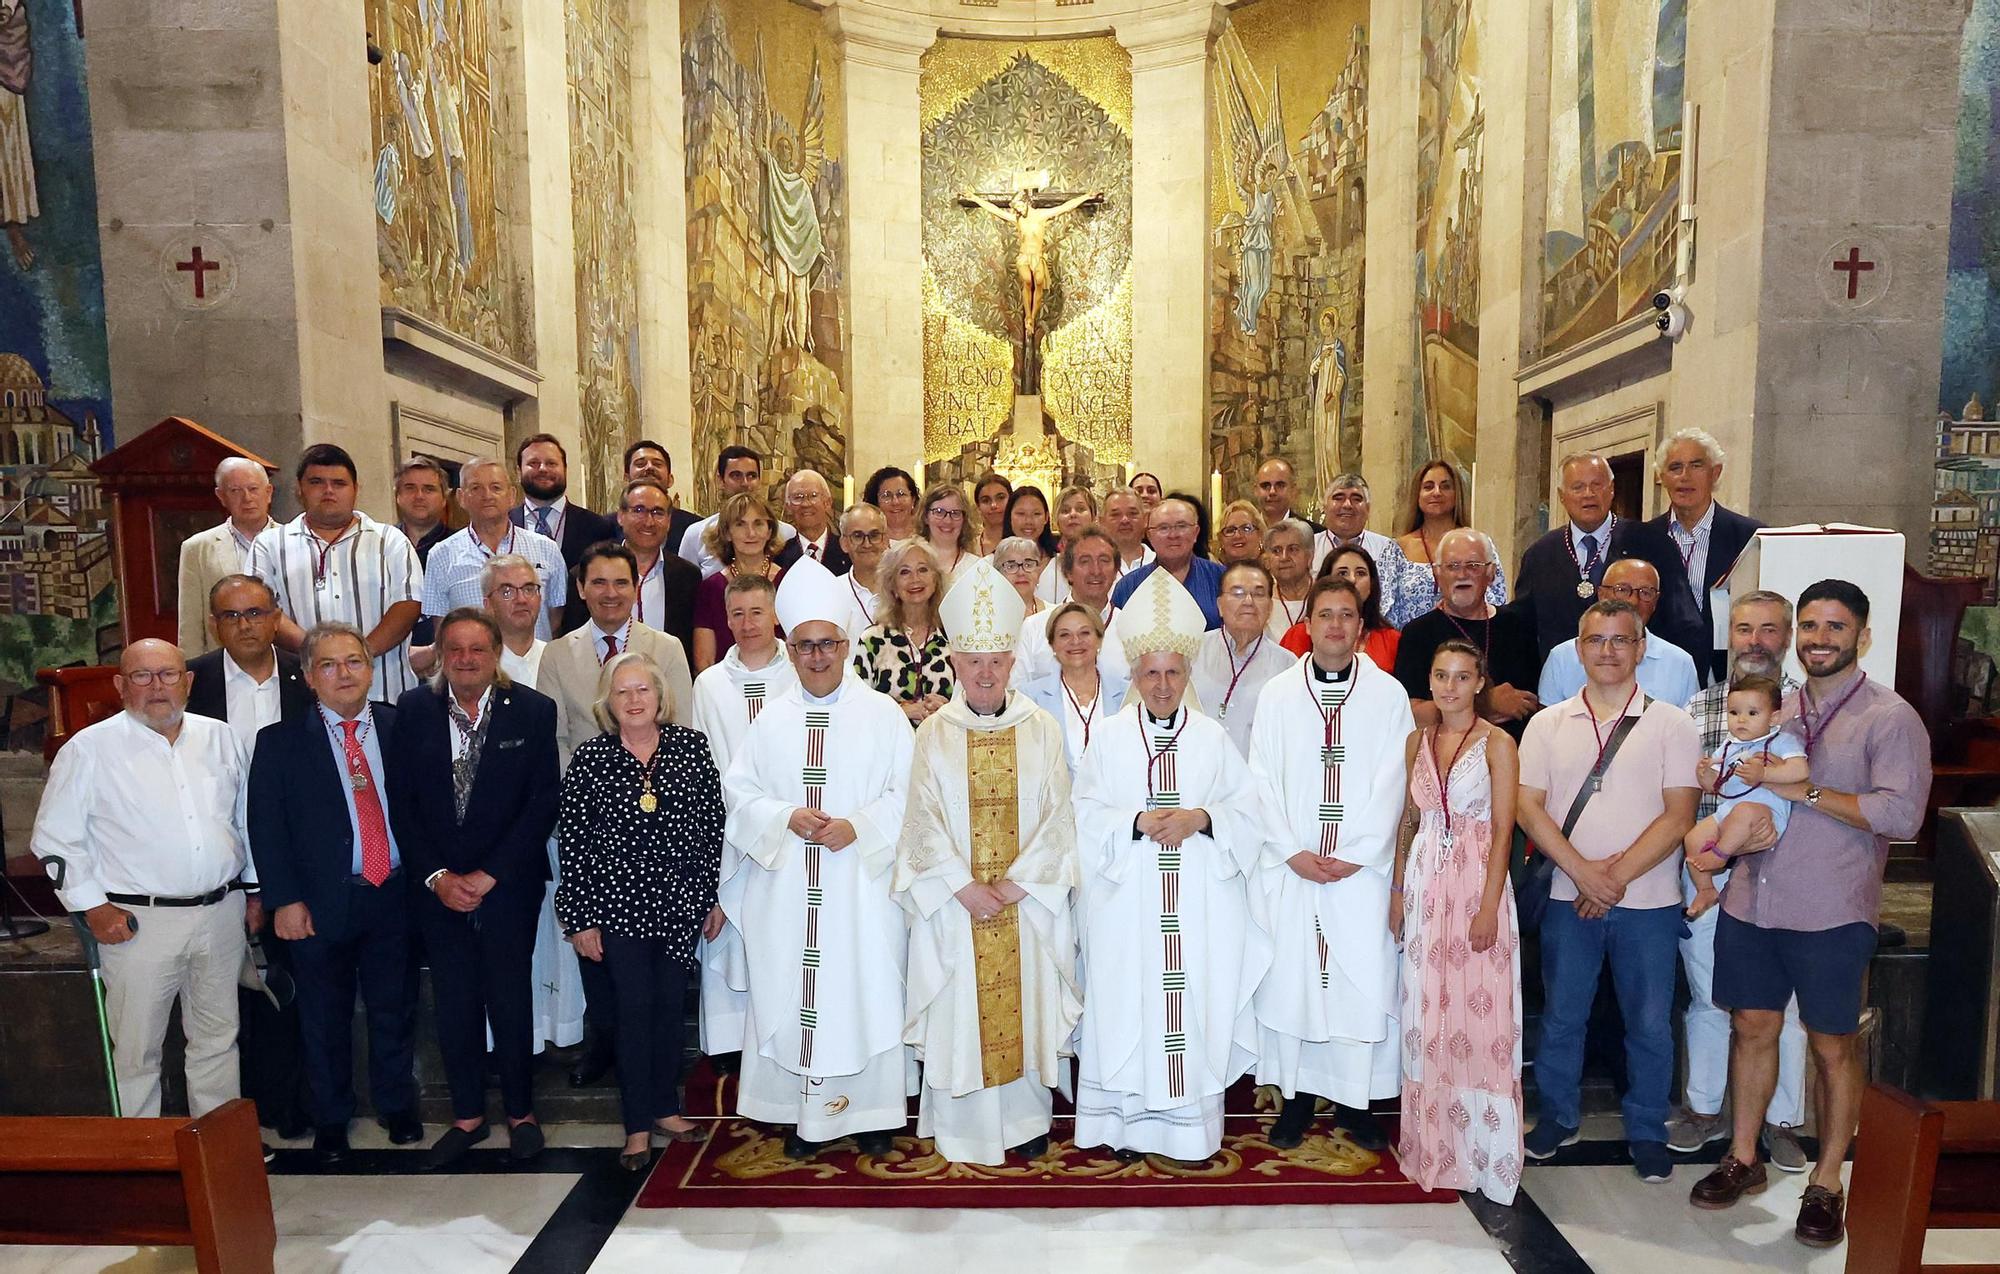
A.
x: 1666, y: 672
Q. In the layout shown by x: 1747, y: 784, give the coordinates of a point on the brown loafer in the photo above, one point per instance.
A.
x: 1820, y: 1222
x: 1731, y: 1180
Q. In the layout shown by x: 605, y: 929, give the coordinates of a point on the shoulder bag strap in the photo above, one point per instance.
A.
x: 1590, y: 784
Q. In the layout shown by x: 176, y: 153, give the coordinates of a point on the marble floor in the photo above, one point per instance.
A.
x: 573, y: 1215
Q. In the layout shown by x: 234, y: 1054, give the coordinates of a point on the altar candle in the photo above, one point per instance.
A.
x: 1214, y: 494
x: 1130, y: 470
x: 847, y: 492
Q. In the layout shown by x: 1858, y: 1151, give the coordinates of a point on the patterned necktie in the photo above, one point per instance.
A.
x: 610, y: 649
x: 1589, y: 554
x: 367, y: 810
x: 814, y: 550
x: 542, y: 519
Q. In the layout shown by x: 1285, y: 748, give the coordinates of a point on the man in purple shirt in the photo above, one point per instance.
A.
x: 1799, y: 918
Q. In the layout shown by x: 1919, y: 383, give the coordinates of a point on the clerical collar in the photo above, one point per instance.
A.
x: 1322, y: 675
x: 999, y: 711
x: 833, y: 698
x: 1162, y: 723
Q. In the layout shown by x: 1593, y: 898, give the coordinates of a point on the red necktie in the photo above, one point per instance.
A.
x: 367, y: 810
x: 814, y: 550
x: 610, y: 649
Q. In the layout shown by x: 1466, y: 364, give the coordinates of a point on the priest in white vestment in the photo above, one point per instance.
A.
x: 1236, y: 660
x: 1327, y: 752
x: 728, y: 696
x: 987, y: 870
x: 815, y: 795
x: 1167, y: 830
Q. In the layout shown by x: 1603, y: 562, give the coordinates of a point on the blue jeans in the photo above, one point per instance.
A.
x: 1642, y: 946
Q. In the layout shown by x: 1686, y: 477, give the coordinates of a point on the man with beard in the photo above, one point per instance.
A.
x: 1799, y: 919
x: 546, y: 509
x: 1466, y: 564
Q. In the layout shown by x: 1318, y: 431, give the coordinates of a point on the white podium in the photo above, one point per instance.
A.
x: 1787, y: 559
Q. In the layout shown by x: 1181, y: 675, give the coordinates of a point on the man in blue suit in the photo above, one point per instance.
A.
x: 337, y: 891
x: 475, y: 800
x: 1694, y: 543
x: 1172, y: 529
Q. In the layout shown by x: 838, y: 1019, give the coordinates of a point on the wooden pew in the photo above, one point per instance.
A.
x: 1920, y: 1166
x: 196, y: 1183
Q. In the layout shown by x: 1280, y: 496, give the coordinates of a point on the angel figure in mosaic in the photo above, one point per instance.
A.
x: 791, y: 216
x: 18, y: 200
x: 1259, y: 165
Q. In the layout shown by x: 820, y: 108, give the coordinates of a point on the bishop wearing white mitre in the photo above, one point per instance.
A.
x: 987, y: 870
x: 815, y: 795
x: 1167, y: 831
x: 1327, y: 752
x: 728, y: 696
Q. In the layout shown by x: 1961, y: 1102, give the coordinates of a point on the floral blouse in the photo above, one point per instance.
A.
x: 630, y: 872
x: 885, y: 659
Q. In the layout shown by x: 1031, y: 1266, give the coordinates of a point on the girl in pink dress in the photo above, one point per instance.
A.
x: 1454, y: 913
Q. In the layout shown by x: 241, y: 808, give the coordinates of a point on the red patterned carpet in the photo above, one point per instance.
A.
x: 743, y: 1165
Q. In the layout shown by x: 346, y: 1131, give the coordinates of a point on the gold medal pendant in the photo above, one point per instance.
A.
x: 648, y: 802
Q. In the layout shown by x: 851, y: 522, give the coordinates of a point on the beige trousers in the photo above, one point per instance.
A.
x: 192, y: 954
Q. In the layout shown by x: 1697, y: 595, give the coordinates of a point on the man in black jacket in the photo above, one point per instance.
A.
x: 547, y: 508
x: 1560, y: 571
x: 1694, y: 543
x: 648, y: 459
x: 475, y: 801
x: 334, y: 885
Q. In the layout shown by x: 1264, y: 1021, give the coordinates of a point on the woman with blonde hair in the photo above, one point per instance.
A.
x: 1434, y: 507
x: 1079, y: 693
x: 905, y: 653
x: 639, y: 838
x: 1239, y: 533
x: 746, y: 538
x: 945, y: 524
x: 1076, y: 512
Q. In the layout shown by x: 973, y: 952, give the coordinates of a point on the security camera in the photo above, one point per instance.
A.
x: 1673, y: 320
x: 1668, y: 298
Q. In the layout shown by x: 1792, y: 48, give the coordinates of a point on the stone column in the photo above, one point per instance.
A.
x: 660, y: 219
x: 1170, y: 242
x: 880, y: 53
x: 1395, y: 77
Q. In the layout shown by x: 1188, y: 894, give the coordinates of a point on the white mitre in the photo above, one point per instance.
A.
x: 1160, y: 615
x: 808, y: 593
x: 982, y: 613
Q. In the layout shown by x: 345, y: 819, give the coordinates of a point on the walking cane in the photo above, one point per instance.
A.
x: 59, y: 869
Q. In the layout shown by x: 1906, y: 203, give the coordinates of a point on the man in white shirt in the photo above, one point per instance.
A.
x: 1235, y: 660
x: 514, y: 591
x: 1665, y: 671
x: 141, y: 827
x: 1090, y: 566
x: 1345, y: 505
x: 668, y: 584
x: 332, y: 564
x: 809, y: 503
x: 737, y: 469
x: 244, y: 490
x: 453, y: 576
x: 864, y: 536
x: 248, y: 682
x: 1124, y: 519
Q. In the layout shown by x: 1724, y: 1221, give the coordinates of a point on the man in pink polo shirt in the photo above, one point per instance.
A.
x: 1616, y: 894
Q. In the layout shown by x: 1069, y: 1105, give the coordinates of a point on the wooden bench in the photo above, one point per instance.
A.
x: 196, y: 1183
x: 1920, y: 1166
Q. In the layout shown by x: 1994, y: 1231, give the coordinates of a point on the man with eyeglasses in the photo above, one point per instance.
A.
x: 247, y: 681
x: 1236, y: 659
x: 864, y: 538
x: 1607, y: 791
x: 809, y: 504
x: 648, y: 459
x: 1665, y: 670
x: 513, y: 591
x: 667, y: 582
x: 737, y: 469
x: 1171, y: 530
x: 243, y: 489
x: 141, y: 828
x: 1466, y: 564
x: 453, y: 577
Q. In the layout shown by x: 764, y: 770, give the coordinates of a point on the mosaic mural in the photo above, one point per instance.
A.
x: 57, y: 602
x: 1289, y: 160
x: 602, y: 162
x: 1616, y: 80
x: 439, y: 228
x: 1038, y: 136
x: 1451, y: 144
x: 767, y: 238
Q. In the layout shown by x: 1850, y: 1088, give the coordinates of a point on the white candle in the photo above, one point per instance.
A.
x: 1215, y: 494
x: 847, y: 492
x: 1130, y: 469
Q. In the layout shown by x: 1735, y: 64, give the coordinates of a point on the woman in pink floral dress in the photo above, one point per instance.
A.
x: 1454, y: 912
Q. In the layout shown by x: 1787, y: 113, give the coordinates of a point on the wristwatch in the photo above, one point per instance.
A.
x: 1812, y: 797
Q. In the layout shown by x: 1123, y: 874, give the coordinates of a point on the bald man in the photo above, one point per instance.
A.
x: 141, y: 829
x: 1277, y: 487
x: 809, y: 505
x: 1666, y: 671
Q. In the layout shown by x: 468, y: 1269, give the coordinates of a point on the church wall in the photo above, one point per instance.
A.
x: 1395, y: 51
x: 57, y: 604
x: 1289, y: 156
x: 1450, y: 158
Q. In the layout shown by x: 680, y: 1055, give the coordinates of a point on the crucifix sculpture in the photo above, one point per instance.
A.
x: 1030, y: 211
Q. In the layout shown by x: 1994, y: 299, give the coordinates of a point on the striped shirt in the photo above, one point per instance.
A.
x: 354, y: 580
x: 451, y: 577
x: 1709, y: 710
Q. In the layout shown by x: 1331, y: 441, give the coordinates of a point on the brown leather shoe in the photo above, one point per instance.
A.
x: 1731, y: 1180
x: 1820, y: 1223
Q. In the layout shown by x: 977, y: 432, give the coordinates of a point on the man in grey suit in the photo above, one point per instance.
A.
x: 243, y: 489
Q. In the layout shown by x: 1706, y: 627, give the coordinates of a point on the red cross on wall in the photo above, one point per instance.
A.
x: 1853, y: 267
x: 199, y: 268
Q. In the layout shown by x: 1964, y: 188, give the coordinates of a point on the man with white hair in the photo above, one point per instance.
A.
x: 454, y: 575
x: 1466, y: 564
x: 815, y: 798
x: 809, y: 504
x: 1168, y: 828
x: 986, y: 869
x: 1172, y: 527
x: 243, y: 489
x: 1695, y: 542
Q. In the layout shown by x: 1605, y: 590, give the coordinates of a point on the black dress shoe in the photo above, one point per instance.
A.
x: 877, y: 1143
x: 589, y: 1069
x: 797, y: 1147
x: 403, y: 1126
x: 1128, y: 1156
x: 725, y: 1063
x: 451, y: 1147
x: 1032, y: 1149
x: 1288, y: 1130
x: 1361, y: 1127
x: 330, y: 1145
x: 525, y: 1141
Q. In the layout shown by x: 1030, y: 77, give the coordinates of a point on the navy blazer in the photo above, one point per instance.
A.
x: 209, y: 695
x: 299, y: 838
x: 514, y: 798
x: 1683, y: 619
x: 1545, y: 586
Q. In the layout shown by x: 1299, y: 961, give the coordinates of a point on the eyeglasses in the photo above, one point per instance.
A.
x: 1463, y: 568
x: 1173, y: 528
x: 1239, y: 528
x: 801, y: 497
x: 1241, y: 593
x: 1616, y: 641
x: 327, y: 667
x: 1013, y: 564
x: 824, y: 646
x: 1625, y: 592
x: 650, y: 512
x: 255, y: 615
x: 865, y: 537
x: 165, y: 676
x: 508, y: 592
x: 948, y: 515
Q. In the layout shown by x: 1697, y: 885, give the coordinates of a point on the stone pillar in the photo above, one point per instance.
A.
x: 659, y: 217
x: 1395, y: 77
x: 1170, y: 242
x: 880, y: 53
